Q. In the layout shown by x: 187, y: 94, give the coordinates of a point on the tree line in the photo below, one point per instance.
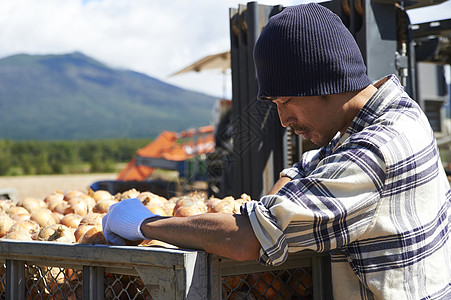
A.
x: 65, y: 157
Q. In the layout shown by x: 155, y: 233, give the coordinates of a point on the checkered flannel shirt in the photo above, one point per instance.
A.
x: 377, y: 199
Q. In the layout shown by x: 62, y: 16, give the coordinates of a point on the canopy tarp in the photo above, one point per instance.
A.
x: 167, y: 152
x: 216, y: 61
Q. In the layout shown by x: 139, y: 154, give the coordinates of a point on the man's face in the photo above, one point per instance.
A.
x: 316, y: 118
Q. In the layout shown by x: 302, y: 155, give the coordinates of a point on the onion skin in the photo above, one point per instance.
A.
x: 81, y: 230
x: 16, y: 210
x: 32, y: 204
x: 151, y: 199
x: 186, y: 211
x: 156, y: 243
x: 18, y: 235
x: 80, y: 212
x: 102, y: 195
x: 29, y: 227
x: 132, y: 193
x: 157, y: 210
x: 43, y: 217
x: 56, y: 232
x: 76, y: 217
x: 92, y: 219
x: 71, y: 220
x: 72, y: 194
x: 59, y: 207
x: 5, y: 205
x: 77, y: 205
x: 93, y: 236
x: 55, y: 197
x: 6, y: 222
x: 103, y: 206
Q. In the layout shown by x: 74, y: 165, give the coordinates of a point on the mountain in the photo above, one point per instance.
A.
x: 72, y: 96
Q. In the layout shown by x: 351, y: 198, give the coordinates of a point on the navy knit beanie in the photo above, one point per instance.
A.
x: 305, y: 50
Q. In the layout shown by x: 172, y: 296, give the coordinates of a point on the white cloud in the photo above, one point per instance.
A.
x: 155, y: 37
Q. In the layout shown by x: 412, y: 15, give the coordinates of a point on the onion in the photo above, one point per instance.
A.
x: 21, y: 217
x: 89, y: 201
x: 103, y: 206
x: 267, y: 285
x: 102, y: 195
x: 6, y: 205
x: 245, y: 197
x: 43, y: 217
x: 19, y: 213
x: 157, y: 210
x: 133, y: 193
x: 151, y: 199
x: 6, y: 222
x: 186, y: 211
x: 81, y: 230
x: 57, y: 233
x: 92, y: 219
x: 28, y: 226
x: 72, y: 194
x: 71, y: 220
x: 70, y: 290
x: 18, y: 235
x: 300, y: 282
x: 57, y: 196
x: 77, y: 205
x: 227, y: 205
x: 168, y: 207
x: 233, y: 283
x: 157, y: 243
x: 190, y: 200
x: 210, y: 203
x: 183, y: 202
x: 32, y: 204
x: 57, y: 216
x: 60, y: 207
x: 55, y: 204
x: 16, y: 210
x: 93, y: 236
x: 222, y: 206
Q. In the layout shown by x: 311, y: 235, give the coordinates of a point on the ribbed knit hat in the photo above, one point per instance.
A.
x: 305, y: 50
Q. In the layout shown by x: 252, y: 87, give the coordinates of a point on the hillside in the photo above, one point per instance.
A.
x: 72, y: 96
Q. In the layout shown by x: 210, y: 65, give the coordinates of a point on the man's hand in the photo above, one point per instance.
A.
x: 123, y: 221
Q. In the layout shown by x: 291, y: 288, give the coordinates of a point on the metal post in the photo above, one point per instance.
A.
x: 257, y: 137
x: 93, y: 282
x: 322, y: 280
x: 15, y: 279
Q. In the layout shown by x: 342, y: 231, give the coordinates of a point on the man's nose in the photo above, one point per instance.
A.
x: 285, y: 118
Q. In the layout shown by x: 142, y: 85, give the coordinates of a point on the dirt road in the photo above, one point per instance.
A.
x: 43, y: 185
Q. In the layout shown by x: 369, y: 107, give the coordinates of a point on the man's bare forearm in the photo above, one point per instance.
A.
x: 279, y: 184
x: 222, y: 234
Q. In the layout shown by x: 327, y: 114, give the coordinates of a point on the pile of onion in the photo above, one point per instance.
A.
x: 76, y: 217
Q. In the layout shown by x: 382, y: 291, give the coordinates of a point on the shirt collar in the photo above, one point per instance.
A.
x: 388, y: 88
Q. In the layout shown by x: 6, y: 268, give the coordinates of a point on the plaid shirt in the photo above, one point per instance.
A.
x: 377, y: 198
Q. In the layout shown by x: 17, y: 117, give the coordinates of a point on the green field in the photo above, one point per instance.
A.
x: 66, y: 157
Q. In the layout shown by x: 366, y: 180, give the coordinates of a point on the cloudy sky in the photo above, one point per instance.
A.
x: 155, y: 37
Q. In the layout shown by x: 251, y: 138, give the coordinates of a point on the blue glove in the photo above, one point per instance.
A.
x: 123, y: 221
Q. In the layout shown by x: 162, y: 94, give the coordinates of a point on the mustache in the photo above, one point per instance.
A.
x: 299, y: 128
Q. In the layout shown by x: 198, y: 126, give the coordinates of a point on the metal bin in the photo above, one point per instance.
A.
x: 48, y: 270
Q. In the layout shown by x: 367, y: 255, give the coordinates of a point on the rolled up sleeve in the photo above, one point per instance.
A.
x: 330, y: 207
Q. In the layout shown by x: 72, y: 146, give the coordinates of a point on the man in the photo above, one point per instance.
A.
x: 374, y: 195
